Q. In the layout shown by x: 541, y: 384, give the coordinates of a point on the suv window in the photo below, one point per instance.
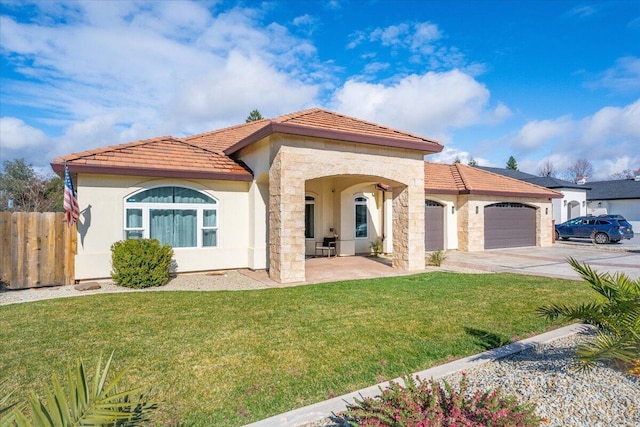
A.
x: 603, y: 222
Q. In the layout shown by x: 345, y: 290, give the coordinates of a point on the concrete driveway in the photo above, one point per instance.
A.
x: 550, y: 261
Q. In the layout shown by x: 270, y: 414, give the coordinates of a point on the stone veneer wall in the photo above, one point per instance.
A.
x: 297, y: 159
x: 471, y: 225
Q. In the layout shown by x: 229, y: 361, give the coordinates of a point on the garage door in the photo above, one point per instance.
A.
x: 509, y: 225
x: 433, y: 226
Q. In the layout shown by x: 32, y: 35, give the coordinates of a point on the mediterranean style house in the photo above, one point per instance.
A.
x: 263, y: 194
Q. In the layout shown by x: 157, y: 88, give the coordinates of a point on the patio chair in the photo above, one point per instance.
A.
x: 327, y: 245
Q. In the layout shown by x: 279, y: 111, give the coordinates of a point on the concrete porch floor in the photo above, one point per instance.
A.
x: 334, y: 269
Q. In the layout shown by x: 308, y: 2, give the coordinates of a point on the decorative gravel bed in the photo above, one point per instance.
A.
x: 231, y: 280
x: 603, y: 397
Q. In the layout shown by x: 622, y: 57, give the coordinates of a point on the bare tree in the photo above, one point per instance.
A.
x: 547, y: 169
x: 625, y: 174
x: 581, y: 168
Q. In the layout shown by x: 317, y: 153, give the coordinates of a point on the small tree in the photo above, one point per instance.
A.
x: 457, y: 160
x: 30, y: 192
x: 512, y: 164
x: 472, y: 162
x: 547, y: 169
x: 254, y: 116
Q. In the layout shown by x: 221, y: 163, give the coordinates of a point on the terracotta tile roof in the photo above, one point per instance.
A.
x: 164, y: 156
x: 314, y: 122
x: 221, y: 139
x: 209, y: 154
x: 463, y: 179
x: 319, y: 118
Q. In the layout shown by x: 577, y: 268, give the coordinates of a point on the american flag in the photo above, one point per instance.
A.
x: 71, y: 208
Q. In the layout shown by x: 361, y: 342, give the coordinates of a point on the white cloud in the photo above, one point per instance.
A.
x: 450, y: 154
x: 608, y: 139
x: 582, y: 11
x: 428, y: 104
x: 538, y: 133
x: 126, y: 70
x: 623, y: 77
x: 17, y: 135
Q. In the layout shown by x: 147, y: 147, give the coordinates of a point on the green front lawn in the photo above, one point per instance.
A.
x: 230, y: 358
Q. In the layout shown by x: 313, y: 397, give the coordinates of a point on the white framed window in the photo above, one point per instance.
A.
x: 309, y: 217
x: 362, y: 218
x: 178, y: 216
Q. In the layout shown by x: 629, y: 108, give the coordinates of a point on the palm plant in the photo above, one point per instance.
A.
x: 615, y: 312
x: 85, y: 401
x: 6, y: 415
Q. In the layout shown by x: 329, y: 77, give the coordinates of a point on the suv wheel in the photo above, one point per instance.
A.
x: 601, y: 238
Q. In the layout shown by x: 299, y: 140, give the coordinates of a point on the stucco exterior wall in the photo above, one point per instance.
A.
x: 471, y: 220
x: 101, y: 199
x: 562, y: 207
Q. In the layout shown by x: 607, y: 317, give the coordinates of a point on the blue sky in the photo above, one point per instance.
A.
x: 539, y: 80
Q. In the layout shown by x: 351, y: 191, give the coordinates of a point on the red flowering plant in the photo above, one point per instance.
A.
x: 422, y: 403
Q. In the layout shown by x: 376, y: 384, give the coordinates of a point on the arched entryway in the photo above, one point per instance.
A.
x: 573, y: 210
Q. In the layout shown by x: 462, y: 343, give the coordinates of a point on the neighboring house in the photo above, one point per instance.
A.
x: 618, y: 197
x: 260, y: 195
x: 573, y: 203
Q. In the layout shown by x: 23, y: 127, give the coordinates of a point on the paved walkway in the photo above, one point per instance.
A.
x: 550, y: 261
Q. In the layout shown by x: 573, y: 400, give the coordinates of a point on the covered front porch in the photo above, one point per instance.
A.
x: 360, y: 198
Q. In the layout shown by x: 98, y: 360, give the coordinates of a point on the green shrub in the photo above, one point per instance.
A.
x: 615, y: 312
x: 79, y: 400
x: 376, y: 247
x: 140, y: 263
x: 436, y: 258
x: 422, y: 403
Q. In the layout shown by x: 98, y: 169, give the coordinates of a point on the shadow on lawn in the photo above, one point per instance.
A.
x: 485, y: 339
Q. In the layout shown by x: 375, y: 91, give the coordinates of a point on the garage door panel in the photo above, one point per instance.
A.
x: 433, y: 226
x: 509, y: 225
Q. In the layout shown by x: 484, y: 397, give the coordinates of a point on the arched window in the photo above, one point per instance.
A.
x: 178, y: 216
x: 362, y: 227
x: 309, y: 217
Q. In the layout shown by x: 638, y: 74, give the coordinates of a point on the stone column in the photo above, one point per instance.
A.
x: 408, y: 228
x: 286, y: 214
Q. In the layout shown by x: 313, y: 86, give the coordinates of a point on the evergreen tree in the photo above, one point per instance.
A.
x: 457, y: 160
x: 472, y: 162
x: 254, y: 116
x: 512, y: 164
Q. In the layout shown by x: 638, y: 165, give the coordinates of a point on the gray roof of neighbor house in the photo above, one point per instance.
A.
x: 614, y: 190
x: 542, y: 181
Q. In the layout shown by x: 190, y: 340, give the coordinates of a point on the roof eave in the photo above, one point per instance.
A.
x: 553, y: 195
x: 152, y: 172
x: 293, y: 129
x: 440, y: 191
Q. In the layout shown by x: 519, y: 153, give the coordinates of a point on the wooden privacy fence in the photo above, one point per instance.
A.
x: 36, y: 249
